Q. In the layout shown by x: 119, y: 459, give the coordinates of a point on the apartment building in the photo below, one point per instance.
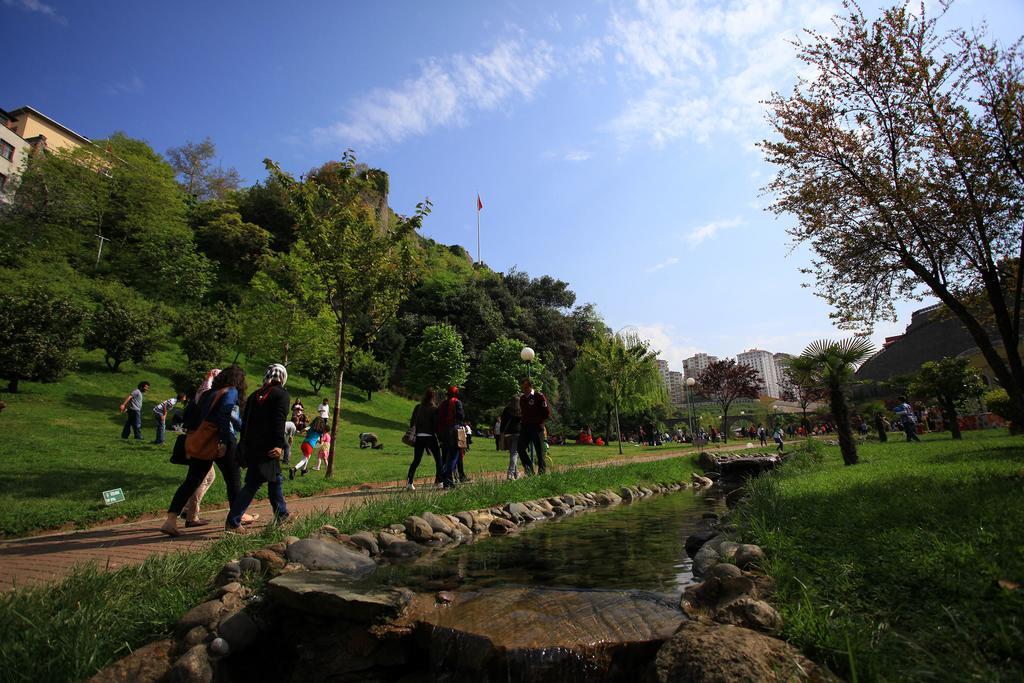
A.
x: 767, y: 369
x: 696, y: 364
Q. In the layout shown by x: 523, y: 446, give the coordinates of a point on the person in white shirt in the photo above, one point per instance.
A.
x: 324, y: 410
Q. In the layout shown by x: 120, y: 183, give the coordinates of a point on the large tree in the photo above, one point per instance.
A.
x: 362, y: 254
x: 724, y: 381
x: 902, y: 157
x: 952, y: 382
x: 367, y: 373
x: 125, y: 326
x: 616, y: 373
x: 830, y: 365
x: 40, y: 333
x: 798, y: 387
x: 502, y: 369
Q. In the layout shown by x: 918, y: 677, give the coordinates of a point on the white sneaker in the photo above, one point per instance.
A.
x: 410, y: 486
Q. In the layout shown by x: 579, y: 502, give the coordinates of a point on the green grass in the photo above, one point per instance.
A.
x: 69, y: 630
x: 61, y: 447
x: 888, y: 570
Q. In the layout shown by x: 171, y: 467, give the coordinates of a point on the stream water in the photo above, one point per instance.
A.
x: 638, y: 546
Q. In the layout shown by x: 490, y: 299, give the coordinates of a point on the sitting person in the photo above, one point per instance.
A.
x: 370, y: 440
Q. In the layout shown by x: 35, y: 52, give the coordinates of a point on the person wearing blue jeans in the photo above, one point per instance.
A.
x: 132, y: 407
x: 263, y: 445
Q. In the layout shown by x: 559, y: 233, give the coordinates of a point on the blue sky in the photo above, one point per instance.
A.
x: 612, y: 143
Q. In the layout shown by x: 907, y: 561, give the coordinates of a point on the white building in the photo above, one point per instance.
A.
x: 694, y: 365
x: 764, y: 363
x: 675, y: 388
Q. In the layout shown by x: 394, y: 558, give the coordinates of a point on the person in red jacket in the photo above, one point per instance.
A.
x: 536, y: 411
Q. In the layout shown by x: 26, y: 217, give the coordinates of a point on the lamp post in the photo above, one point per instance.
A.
x: 690, y: 381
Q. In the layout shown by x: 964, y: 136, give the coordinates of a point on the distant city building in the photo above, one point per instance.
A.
x: 14, y: 154
x: 675, y: 388
x: 696, y: 364
x: 764, y: 363
x: 663, y: 371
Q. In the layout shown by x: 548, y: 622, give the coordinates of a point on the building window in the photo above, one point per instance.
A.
x: 3, y: 182
x: 6, y: 150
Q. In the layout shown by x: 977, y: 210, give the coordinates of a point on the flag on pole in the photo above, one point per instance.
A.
x: 479, y: 204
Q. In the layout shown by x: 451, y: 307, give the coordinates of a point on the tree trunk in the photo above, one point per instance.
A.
x: 12, y: 385
x: 950, y: 416
x: 618, y: 427
x: 725, y: 425
x: 369, y: 395
x: 337, y: 399
x: 841, y: 411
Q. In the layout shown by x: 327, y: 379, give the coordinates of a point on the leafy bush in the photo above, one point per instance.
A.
x: 124, y: 326
x: 40, y: 332
x: 998, y: 401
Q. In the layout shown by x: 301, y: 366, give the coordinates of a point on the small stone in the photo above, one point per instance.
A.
x: 417, y: 529
x: 204, y: 614
x: 239, y: 630
x: 749, y: 556
x: 696, y: 540
x: 727, y: 549
x: 268, y: 559
x: 704, y: 560
x: 219, y: 647
x: 445, y: 597
x: 231, y: 571
x: 329, y: 530
x: 193, y: 667
x: 570, y: 500
x: 367, y: 541
x: 750, y: 613
x: 466, y: 518
x: 148, y: 664
x: 501, y: 527
x: 250, y: 564
x: 401, y: 550
x: 385, y: 539
x: 288, y: 540
x: 232, y: 587
x: 466, y: 532
x: 292, y: 567
x: 724, y: 570
x: 195, y: 636
x: 438, y: 540
x: 438, y: 523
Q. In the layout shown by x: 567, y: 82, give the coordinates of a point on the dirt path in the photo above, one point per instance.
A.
x: 50, y: 557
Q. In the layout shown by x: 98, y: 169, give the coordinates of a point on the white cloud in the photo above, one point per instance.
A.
x: 40, y: 7
x: 576, y: 155
x: 696, y: 69
x: 709, y: 230
x: 672, y: 260
x: 444, y: 94
x: 129, y: 87
x: 666, y: 340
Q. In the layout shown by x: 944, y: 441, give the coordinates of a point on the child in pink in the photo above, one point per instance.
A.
x: 325, y: 448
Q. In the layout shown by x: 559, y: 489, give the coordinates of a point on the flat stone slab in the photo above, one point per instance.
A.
x: 511, y: 631
x: 332, y: 594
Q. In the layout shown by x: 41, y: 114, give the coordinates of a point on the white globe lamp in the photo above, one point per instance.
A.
x: 527, y: 354
x: 690, y: 381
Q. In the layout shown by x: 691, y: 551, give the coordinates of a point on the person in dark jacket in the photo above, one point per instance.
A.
x: 216, y: 405
x: 263, y: 444
x: 450, y: 416
x: 424, y: 424
x: 535, y: 411
x: 510, y: 419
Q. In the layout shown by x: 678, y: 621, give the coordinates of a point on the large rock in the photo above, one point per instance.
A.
x: 697, y: 539
x: 367, y: 541
x: 239, y: 629
x: 749, y: 556
x: 706, y: 558
x: 521, y: 634
x: 500, y: 526
x: 320, y: 554
x: 331, y: 594
x: 719, y: 653
x: 148, y: 664
x: 417, y: 529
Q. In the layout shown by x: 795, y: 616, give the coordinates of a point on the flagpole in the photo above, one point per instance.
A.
x: 478, y: 228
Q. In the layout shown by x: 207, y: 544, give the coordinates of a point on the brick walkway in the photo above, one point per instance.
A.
x: 51, y: 556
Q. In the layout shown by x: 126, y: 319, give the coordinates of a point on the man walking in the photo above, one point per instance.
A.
x: 132, y: 405
x: 762, y: 433
x: 907, y: 419
x: 160, y: 413
x: 535, y: 412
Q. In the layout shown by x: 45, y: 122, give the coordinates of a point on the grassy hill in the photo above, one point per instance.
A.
x: 61, y: 447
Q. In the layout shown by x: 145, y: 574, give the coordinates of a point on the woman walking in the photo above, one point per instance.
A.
x: 424, y: 421
x: 450, y: 417
x: 227, y: 392
x: 510, y: 418
x: 263, y: 443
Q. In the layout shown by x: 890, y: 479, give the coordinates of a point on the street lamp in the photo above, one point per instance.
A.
x: 690, y: 382
x: 527, y: 355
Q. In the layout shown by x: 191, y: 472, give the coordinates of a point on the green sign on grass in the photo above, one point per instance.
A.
x: 113, y: 496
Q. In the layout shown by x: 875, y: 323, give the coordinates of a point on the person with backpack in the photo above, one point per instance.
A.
x: 263, y: 442
x: 777, y: 437
x: 450, y: 416
x: 907, y: 419
x: 535, y: 411
x: 215, y: 407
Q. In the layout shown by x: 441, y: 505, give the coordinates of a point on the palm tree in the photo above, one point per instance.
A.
x: 830, y: 365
